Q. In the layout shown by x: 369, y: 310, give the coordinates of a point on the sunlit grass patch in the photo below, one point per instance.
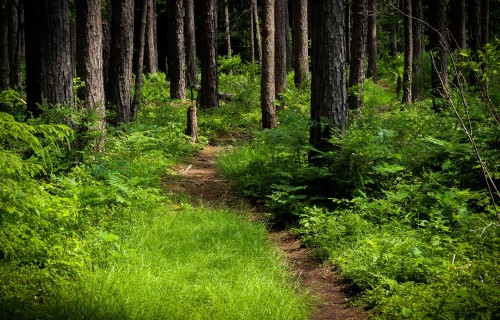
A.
x: 191, y: 264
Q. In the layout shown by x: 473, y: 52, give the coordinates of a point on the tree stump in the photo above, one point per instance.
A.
x: 192, y: 122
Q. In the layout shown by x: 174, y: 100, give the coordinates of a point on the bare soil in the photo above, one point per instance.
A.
x: 207, y: 187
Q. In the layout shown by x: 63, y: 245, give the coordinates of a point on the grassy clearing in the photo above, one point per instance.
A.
x: 188, y: 264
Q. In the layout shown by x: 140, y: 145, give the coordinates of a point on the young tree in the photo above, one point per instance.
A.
x: 358, y: 54
x: 437, y: 43
x: 177, y: 54
x: 120, y: 70
x: 256, y: 30
x: 328, y: 87
x: 300, y: 32
x: 151, y: 47
x: 280, y: 45
x: 89, y: 62
x: 252, y: 36
x: 208, y: 55
x: 227, y: 31
x: 267, y: 91
x: 371, y: 46
x: 140, y: 59
x: 16, y: 42
x: 189, y: 32
x: 408, y: 51
x: 49, y: 73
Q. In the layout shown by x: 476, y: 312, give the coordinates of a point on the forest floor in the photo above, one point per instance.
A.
x: 200, y: 179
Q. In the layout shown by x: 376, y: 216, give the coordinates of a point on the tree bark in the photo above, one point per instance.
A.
x: 151, y: 46
x: 267, y: 91
x: 417, y: 34
x: 227, y: 32
x: 280, y: 46
x: 252, y: 35
x: 437, y: 43
x: 358, y: 54
x: 16, y: 42
x: 457, y: 25
x: 49, y: 73
x: 474, y: 21
x: 4, y: 45
x: 300, y: 32
x: 371, y: 47
x: 208, y: 55
x: 177, y: 57
x: 140, y: 59
x: 348, y: 16
x: 120, y: 73
x: 106, y: 46
x: 189, y: 32
x: 408, y: 51
x: 328, y: 86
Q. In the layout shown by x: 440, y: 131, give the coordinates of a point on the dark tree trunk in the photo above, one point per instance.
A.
x: 4, y: 45
x: 288, y: 35
x: 485, y: 21
x: 300, y: 32
x: 151, y: 46
x: 72, y: 31
x: 371, y: 47
x: 189, y: 32
x: 227, y: 31
x: 393, y: 32
x: 140, y: 59
x: 208, y: 55
x: 417, y: 33
x: 89, y: 62
x: 120, y: 73
x: 252, y: 36
x: 474, y: 23
x: 106, y: 46
x: 348, y: 10
x: 49, y: 73
x: 358, y: 54
x: 328, y: 87
x: 280, y: 45
x: 267, y: 91
x: 437, y: 43
x: 457, y: 24
x: 16, y: 42
x: 408, y: 51
x: 177, y: 57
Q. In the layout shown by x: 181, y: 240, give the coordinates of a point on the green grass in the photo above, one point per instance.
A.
x: 189, y: 264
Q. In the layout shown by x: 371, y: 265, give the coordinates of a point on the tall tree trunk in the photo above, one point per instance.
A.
x: 457, y: 24
x: 140, y: 59
x: 474, y: 22
x: 208, y: 55
x: 227, y: 31
x: 16, y: 46
x: 393, y: 33
x: 177, y: 56
x: 408, y: 51
x: 89, y: 62
x: 300, y: 44
x: 328, y: 86
x: 72, y: 32
x: 256, y: 30
x: 288, y: 38
x: 106, y: 46
x: 252, y: 35
x: 120, y: 73
x: 437, y: 43
x: 280, y: 45
x: 417, y: 34
x: 267, y: 91
x: 151, y: 46
x: 189, y: 32
x: 49, y: 73
x: 371, y: 47
x: 4, y: 45
x: 348, y: 16
x: 358, y: 54
x: 485, y: 21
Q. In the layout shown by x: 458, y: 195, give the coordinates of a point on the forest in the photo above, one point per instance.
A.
x: 151, y: 150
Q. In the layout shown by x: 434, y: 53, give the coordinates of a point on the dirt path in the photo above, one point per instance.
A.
x: 204, y: 184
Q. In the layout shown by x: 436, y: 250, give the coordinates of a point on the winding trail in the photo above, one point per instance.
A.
x: 207, y: 187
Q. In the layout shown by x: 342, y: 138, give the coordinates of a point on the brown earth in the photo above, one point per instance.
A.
x: 206, y: 186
